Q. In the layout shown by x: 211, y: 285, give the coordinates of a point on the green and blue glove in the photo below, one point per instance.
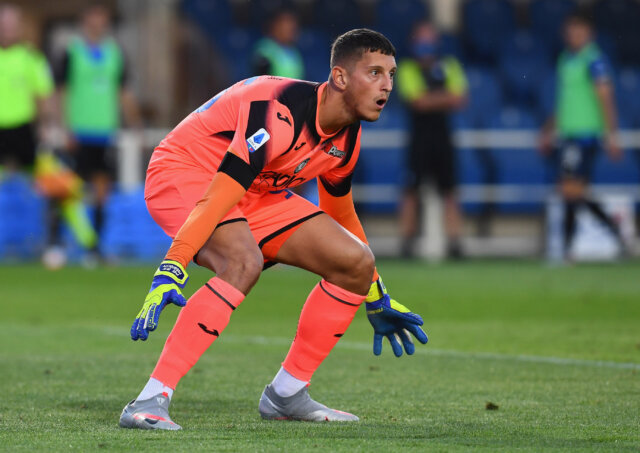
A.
x: 392, y: 320
x: 167, y: 282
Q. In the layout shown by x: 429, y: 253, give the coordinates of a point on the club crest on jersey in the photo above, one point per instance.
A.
x: 301, y: 165
x: 257, y: 140
x: 335, y: 152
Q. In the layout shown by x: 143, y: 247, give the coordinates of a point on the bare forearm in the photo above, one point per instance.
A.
x: 609, y: 114
x: 223, y: 193
x: 130, y: 109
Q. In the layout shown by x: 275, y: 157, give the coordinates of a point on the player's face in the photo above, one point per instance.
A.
x: 369, y: 85
x: 285, y: 30
x: 96, y: 23
x: 9, y: 25
x: 577, y: 35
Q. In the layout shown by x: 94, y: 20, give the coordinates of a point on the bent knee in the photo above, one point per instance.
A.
x: 247, y: 263
x: 239, y: 267
x: 367, y: 264
x: 357, y: 267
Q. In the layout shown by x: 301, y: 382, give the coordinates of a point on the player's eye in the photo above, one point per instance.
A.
x: 375, y: 72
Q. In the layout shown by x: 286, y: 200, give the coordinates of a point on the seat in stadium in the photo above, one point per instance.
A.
x: 517, y: 165
x: 394, y: 18
x: 546, y: 96
x: 336, y: 17
x: 523, y: 64
x: 383, y: 165
x: 401, y: 12
x: 22, y: 223
x: 627, y: 89
x: 212, y: 16
x: 485, y: 97
x: 547, y: 19
x: 314, y: 45
x: 129, y: 231
x: 620, y: 19
x: 487, y: 25
x: 316, y: 67
x: 607, y: 44
x: 237, y: 48
x: 450, y: 45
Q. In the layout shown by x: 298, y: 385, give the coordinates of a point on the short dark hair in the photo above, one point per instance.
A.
x: 579, y: 17
x: 355, y: 43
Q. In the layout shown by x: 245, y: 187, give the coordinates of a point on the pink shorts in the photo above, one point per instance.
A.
x: 172, y: 193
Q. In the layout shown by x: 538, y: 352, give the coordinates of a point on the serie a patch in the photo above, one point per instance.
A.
x: 257, y: 140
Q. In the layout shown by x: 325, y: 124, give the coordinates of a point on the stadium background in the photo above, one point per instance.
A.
x: 182, y: 52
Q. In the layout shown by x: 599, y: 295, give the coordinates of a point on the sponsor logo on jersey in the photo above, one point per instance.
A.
x: 301, y: 165
x: 257, y: 140
x: 335, y: 152
x: 277, y: 180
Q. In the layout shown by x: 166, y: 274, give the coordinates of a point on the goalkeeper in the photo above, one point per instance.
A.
x: 218, y: 184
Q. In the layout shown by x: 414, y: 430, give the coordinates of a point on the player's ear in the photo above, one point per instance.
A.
x: 339, y: 77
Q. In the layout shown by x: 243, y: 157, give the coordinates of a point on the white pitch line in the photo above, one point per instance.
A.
x: 426, y: 350
x: 359, y: 346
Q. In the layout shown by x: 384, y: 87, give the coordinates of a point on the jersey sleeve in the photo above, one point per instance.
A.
x: 411, y: 84
x: 264, y: 131
x: 456, y: 81
x: 337, y: 181
x: 599, y: 70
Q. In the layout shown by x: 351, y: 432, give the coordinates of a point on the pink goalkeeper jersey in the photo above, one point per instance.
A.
x: 264, y: 133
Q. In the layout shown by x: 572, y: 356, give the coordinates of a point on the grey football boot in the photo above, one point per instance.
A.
x: 148, y: 414
x: 298, y: 407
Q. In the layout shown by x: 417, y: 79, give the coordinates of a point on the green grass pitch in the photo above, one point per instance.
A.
x: 556, y: 351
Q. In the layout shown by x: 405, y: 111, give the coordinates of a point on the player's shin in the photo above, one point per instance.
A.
x: 325, y: 317
x: 200, y: 322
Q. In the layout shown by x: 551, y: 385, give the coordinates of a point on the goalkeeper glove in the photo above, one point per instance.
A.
x: 392, y: 320
x: 167, y: 282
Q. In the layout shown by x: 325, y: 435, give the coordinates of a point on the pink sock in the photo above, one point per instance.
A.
x: 198, y: 325
x: 325, y: 317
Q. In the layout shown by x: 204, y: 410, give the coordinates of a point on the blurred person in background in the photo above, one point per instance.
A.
x: 92, y: 78
x: 26, y: 86
x: 276, y: 54
x: 432, y: 86
x: 584, y: 122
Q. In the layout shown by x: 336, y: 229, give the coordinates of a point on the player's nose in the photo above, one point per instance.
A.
x: 387, y: 84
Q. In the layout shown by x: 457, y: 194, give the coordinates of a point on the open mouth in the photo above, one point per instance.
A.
x: 381, y: 102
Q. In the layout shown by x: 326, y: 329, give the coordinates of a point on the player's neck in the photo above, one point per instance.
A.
x: 333, y: 112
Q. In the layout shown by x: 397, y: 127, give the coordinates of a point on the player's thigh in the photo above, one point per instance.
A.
x: 171, y: 193
x: 322, y: 246
x: 572, y: 188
